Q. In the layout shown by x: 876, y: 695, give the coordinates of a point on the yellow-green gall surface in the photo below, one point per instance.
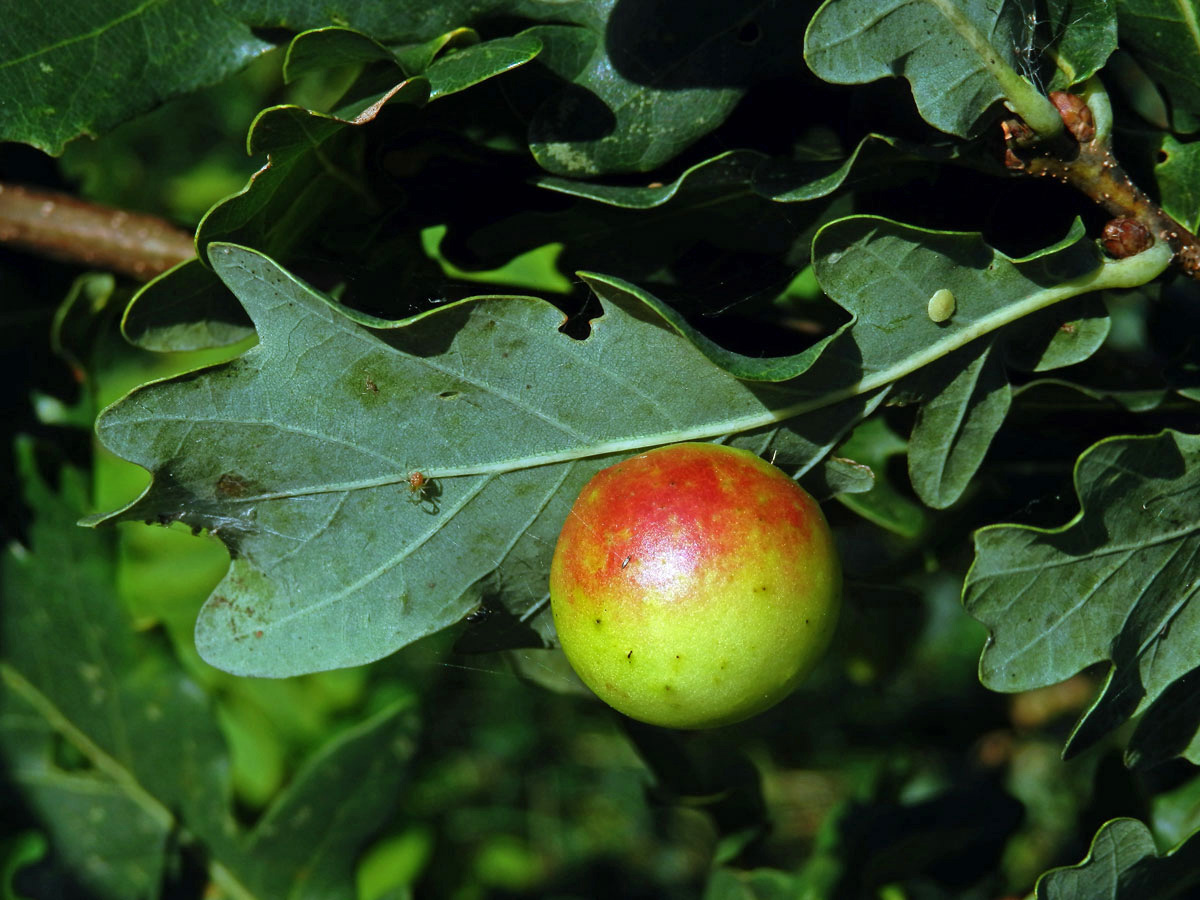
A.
x: 694, y: 585
x: 941, y: 305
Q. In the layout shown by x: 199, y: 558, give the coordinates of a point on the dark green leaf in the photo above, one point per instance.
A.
x: 417, y: 58
x: 1178, y: 176
x: 876, y: 159
x: 118, y: 751
x: 1115, y: 584
x: 958, y: 58
x: 732, y: 171
x: 750, y: 368
x: 336, y: 561
x: 1063, y: 335
x: 1170, y: 727
x: 463, y: 61
x: 1162, y: 36
x: 66, y: 73
x: 645, y: 80
x: 841, y: 476
x: 885, y: 274
x: 85, y: 311
x: 549, y: 669
x: 306, y: 844
x: 967, y: 399
x: 187, y: 308
x: 1123, y: 864
x: 1129, y: 80
x: 1052, y: 393
x: 460, y: 69
x: 785, y: 181
x: 289, y: 196
x: 396, y: 21
x: 117, y: 847
x: 324, y: 48
x: 148, y: 746
x: 1074, y: 40
x: 1176, y: 813
x: 312, y: 187
x: 873, y: 444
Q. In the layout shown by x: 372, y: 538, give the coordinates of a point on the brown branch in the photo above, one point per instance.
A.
x: 65, y: 228
x: 1086, y: 162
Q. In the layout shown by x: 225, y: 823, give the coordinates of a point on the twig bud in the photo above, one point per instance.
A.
x: 1076, y: 115
x: 1124, y: 237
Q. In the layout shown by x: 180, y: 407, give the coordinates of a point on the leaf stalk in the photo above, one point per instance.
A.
x: 1021, y: 97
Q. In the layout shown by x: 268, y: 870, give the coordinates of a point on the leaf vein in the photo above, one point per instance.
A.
x: 75, y: 39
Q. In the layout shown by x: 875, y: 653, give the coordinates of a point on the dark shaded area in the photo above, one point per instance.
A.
x: 1169, y: 725
x: 31, y: 290
x: 955, y: 839
x: 492, y: 628
x: 1174, y: 328
x: 573, y: 113
x: 672, y: 45
x: 708, y: 771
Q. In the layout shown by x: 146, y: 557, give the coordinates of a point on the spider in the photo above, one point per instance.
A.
x: 419, y: 486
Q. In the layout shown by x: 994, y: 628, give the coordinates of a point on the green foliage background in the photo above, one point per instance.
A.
x: 505, y: 244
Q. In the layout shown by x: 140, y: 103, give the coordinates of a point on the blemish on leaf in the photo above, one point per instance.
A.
x: 234, y: 485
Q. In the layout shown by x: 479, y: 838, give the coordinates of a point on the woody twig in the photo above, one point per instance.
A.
x: 1082, y: 157
x: 68, y: 229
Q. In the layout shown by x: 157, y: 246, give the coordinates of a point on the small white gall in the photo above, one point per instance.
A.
x: 941, y: 305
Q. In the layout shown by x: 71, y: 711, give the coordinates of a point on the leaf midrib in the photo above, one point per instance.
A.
x: 1128, y: 272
